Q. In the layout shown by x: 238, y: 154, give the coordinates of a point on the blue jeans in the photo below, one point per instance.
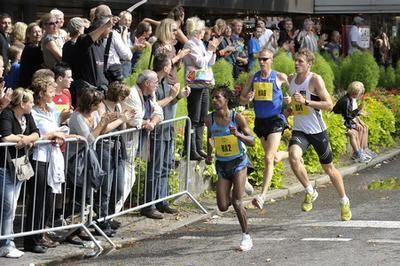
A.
x: 9, y: 193
x: 158, y: 168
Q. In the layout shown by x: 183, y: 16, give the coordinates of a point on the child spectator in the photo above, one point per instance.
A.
x: 14, y: 55
x: 357, y: 130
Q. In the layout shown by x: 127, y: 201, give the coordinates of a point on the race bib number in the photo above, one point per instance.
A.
x: 263, y: 91
x: 299, y: 109
x: 226, y: 146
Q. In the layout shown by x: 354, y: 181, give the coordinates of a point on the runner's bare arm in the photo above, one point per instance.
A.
x: 317, y: 85
x: 245, y: 135
x: 247, y: 93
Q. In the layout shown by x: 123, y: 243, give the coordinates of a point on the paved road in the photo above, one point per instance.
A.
x: 284, y: 235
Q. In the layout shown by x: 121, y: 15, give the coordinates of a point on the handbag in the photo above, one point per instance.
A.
x: 200, y: 76
x: 22, y: 167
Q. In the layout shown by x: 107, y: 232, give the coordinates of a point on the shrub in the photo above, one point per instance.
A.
x: 387, y: 77
x: 397, y: 74
x: 362, y: 67
x: 283, y: 63
x: 322, y: 68
x: 142, y: 64
x: 381, y: 123
x: 336, y: 133
x: 335, y: 69
x: 223, y: 73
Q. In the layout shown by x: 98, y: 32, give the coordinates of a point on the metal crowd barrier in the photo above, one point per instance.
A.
x: 31, y: 207
x: 136, y: 161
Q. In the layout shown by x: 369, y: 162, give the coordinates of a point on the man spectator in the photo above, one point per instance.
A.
x: 62, y: 97
x: 5, y: 30
x: 241, y: 58
x: 254, y: 46
x: 148, y: 114
x: 126, y: 34
x: 162, y: 141
x: 355, y: 36
x: 334, y: 46
x: 90, y: 48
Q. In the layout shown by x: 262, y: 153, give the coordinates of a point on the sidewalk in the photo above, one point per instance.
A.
x: 135, y: 227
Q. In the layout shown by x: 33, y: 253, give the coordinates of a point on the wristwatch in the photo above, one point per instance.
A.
x: 306, y: 102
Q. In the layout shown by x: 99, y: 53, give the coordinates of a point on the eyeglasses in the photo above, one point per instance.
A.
x: 174, y: 30
x: 264, y: 58
x: 52, y: 23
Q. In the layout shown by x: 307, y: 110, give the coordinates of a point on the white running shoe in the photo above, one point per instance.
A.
x: 14, y: 253
x: 248, y: 188
x: 246, y: 243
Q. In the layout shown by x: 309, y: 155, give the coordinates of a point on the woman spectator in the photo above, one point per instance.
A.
x: 307, y: 38
x: 166, y: 39
x: 51, y: 42
x: 40, y: 196
x: 14, y: 55
x: 16, y: 125
x: 87, y: 122
x: 114, y: 157
x: 17, y: 36
x: 31, y: 57
x: 219, y: 28
x: 197, y: 63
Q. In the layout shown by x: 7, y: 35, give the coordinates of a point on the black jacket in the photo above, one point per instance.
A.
x: 345, y: 107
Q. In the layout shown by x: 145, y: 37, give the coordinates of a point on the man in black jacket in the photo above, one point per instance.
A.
x: 5, y: 30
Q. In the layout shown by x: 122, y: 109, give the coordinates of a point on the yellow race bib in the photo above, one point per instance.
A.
x: 226, y: 146
x: 298, y: 108
x: 262, y: 91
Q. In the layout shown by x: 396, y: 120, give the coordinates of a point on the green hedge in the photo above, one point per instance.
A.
x: 362, y: 67
x: 322, y: 68
x: 223, y: 73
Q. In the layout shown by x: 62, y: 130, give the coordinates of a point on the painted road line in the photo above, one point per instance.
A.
x: 230, y: 221
x: 268, y: 239
x: 359, y: 224
x: 326, y: 239
x: 201, y: 237
x: 383, y: 241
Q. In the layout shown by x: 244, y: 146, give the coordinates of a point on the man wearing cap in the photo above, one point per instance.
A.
x: 355, y: 35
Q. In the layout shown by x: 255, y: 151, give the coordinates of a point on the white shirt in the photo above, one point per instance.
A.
x: 46, y: 122
x: 354, y: 36
x: 264, y: 38
x: 119, y: 51
x: 135, y: 102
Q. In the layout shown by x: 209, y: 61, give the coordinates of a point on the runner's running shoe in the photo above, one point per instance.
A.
x: 308, y: 200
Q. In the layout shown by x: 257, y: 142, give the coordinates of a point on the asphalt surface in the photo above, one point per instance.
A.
x: 283, y: 234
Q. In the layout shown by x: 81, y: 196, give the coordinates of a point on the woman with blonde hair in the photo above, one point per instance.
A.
x: 32, y: 56
x: 199, y: 77
x: 165, y: 44
x: 18, y: 126
x: 51, y: 42
x: 17, y: 35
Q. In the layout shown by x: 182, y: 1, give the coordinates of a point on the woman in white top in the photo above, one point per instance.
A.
x: 198, y: 61
x: 51, y: 42
x: 40, y: 196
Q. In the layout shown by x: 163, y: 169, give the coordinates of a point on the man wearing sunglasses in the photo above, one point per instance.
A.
x: 264, y: 89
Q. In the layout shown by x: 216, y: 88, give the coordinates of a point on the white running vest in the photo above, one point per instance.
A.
x: 306, y: 119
